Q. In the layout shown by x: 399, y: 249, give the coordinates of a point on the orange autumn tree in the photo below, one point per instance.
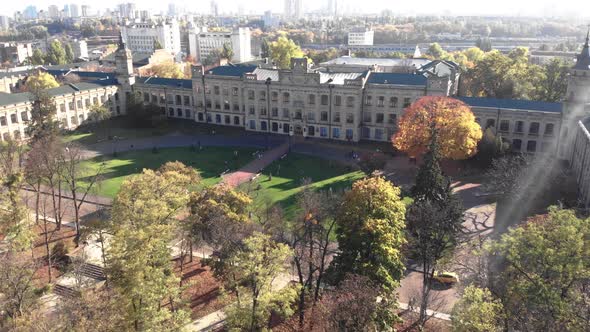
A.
x: 458, y: 132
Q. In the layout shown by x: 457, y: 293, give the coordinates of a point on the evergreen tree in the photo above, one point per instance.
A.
x: 56, y: 55
x: 43, y: 123
x: 69, y: 53
x: 431, y: 184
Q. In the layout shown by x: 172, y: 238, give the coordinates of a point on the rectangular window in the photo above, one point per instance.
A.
x: 262, y: 110
x: 13, y: 118
x: 275, y: 112
x: 369, y: 100
x: 251, y: 95
x: 349, y: 134
x: 285, y: 112
x: 337, y: 100
x: 275, y: 96
x: 62, y: 108
x: 225, y: 92
x: 146, y: 97
x: 519, y: 127
x: 234, y: 91
x: 252, y: 110
x: 531, y: 146
x: 286, y: 97
x: 407, y: 102
x: 350, y: 101
x: 324, y: 100
x: 311, y: 99
x: 379, y: 118
x: 549, y: 129
x: 324, y: 116
x: 253, y: 124
x: 393, y: 102
x: 336, y: 132
x: 349, y: 118
x: 367, y: 117
x: 323, y: 132
x: 381, y: 101
x: 2, y: 121
x: 24, y: 116
x: 311, y: 116
x: 263, y: 96
x: 392, y: 120
x: 378, y: 134
x: 504, y: 126
x: 336, y: 116
x: 170, y: 99
x: 534, y: 128
x: 79, y: 104
x: 187, y: 100
x: 178, y: 100
x: 216, y: 90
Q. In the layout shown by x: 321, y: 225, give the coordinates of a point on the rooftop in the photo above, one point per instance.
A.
x: 517, y: 104
x: 384, y: 62
x: 397, y: 79
x: 23, y: 97
x: 171, y: 82
x: 232, y: 70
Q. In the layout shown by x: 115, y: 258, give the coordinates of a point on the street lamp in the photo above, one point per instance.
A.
x: 267, y: 83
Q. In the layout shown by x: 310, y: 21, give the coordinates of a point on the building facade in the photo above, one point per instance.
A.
x: 142, y: 37
x: 202, y: 43
x: 361, y: 37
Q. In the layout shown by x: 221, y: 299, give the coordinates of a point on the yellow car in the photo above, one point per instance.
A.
x: 447, y: 278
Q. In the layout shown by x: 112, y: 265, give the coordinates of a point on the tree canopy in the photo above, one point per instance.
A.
x: 282, y: 50
x: 41, y: 81
x: 453, y: 121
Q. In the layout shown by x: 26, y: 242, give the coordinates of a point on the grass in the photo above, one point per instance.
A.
x: 210, y: 162
x: 120, y: 128
x: 287, y: 175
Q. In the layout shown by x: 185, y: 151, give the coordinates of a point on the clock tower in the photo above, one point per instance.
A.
x: 577, y: 100
x: 124, y: 74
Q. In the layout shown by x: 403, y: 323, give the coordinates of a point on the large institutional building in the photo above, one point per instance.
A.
x: 338, y: 105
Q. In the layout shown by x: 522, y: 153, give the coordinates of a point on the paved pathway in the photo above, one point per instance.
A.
x: 249, y: 171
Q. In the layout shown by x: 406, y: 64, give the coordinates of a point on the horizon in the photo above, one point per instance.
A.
x: 501, y: 8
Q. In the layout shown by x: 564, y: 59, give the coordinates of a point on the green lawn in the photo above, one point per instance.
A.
x: 210, y: 162
x: 120, y: 128
x: 287, y: 178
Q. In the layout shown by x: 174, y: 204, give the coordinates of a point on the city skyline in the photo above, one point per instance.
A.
x: 457, y: 7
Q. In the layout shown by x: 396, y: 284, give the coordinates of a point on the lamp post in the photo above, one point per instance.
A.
x: 267, y: 83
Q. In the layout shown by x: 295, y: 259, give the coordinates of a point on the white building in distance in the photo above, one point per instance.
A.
x: 80, y: 48
x: 361, y: 37
x: 202, y: 43
x: 141, y: 37
x: 293, y: 9
x: 4, y: 22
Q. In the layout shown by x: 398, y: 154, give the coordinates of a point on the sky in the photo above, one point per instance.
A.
x: 575, y: 8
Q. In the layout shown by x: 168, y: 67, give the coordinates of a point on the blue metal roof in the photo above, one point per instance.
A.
x: 397, y: 79
x: 171, y: 82
x: 231, y: 70
x: 518, y: 104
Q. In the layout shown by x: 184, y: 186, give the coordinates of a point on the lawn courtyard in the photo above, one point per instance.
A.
x: 286, y: 182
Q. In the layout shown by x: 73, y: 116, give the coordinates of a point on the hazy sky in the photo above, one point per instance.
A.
x: 578, y: 8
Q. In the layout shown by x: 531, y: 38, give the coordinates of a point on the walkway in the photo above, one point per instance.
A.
x: 256, y: 166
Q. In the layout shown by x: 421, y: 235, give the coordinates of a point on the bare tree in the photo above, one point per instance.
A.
x: 17, y: 274
x: 72, y: 171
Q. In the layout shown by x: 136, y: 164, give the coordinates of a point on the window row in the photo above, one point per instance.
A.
x: 14, y: 118
x: 518, y: 127
x: 393, y: 102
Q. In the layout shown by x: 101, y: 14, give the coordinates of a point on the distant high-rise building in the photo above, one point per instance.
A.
x: 172, y: 9
x: 214, y: 8
x: 270, y: 21
x: 85, y: 10
x: 142, y: 37
x: 30, y: 13
x: 293, y: 9
x: 53, y: 11
x: 145, y: 15
x: 4, y: 22
x: 333, y: 7
x: 127, y: 10
x: 202, y: 43
x: 66, y: 11
x: 361, y: 37
x: 74, y: 10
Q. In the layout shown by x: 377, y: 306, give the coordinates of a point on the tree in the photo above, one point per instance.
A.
x: 17, y: 277
x: 553, y: 85
x: 282, y: 50
x: 72, y: 170
x: 436, y: 51
x: 352, y: 306
x: 310, y: 242
x: 434, y: 221
x: 139, y: 265
x: 256, y: 267
x: 453, y: 121
x: 56, y: 55
x: 41, y: 81
x: 43, y: 121
x: 157, y: 45
x: 227, y: 52
x: 490, y: 148
x: 506, y: 175
x: 265, y: 49
x: 14, y: 219
x: 98, y: 115
x: 545, y: 272
x: 370, y: 233
x: 92, y: 311
x: 142, y: 115
x: 477, y: 311
x: 484, y: 44
x: 166, y: 70
x: 37, y: 58
x: 69, y: 53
